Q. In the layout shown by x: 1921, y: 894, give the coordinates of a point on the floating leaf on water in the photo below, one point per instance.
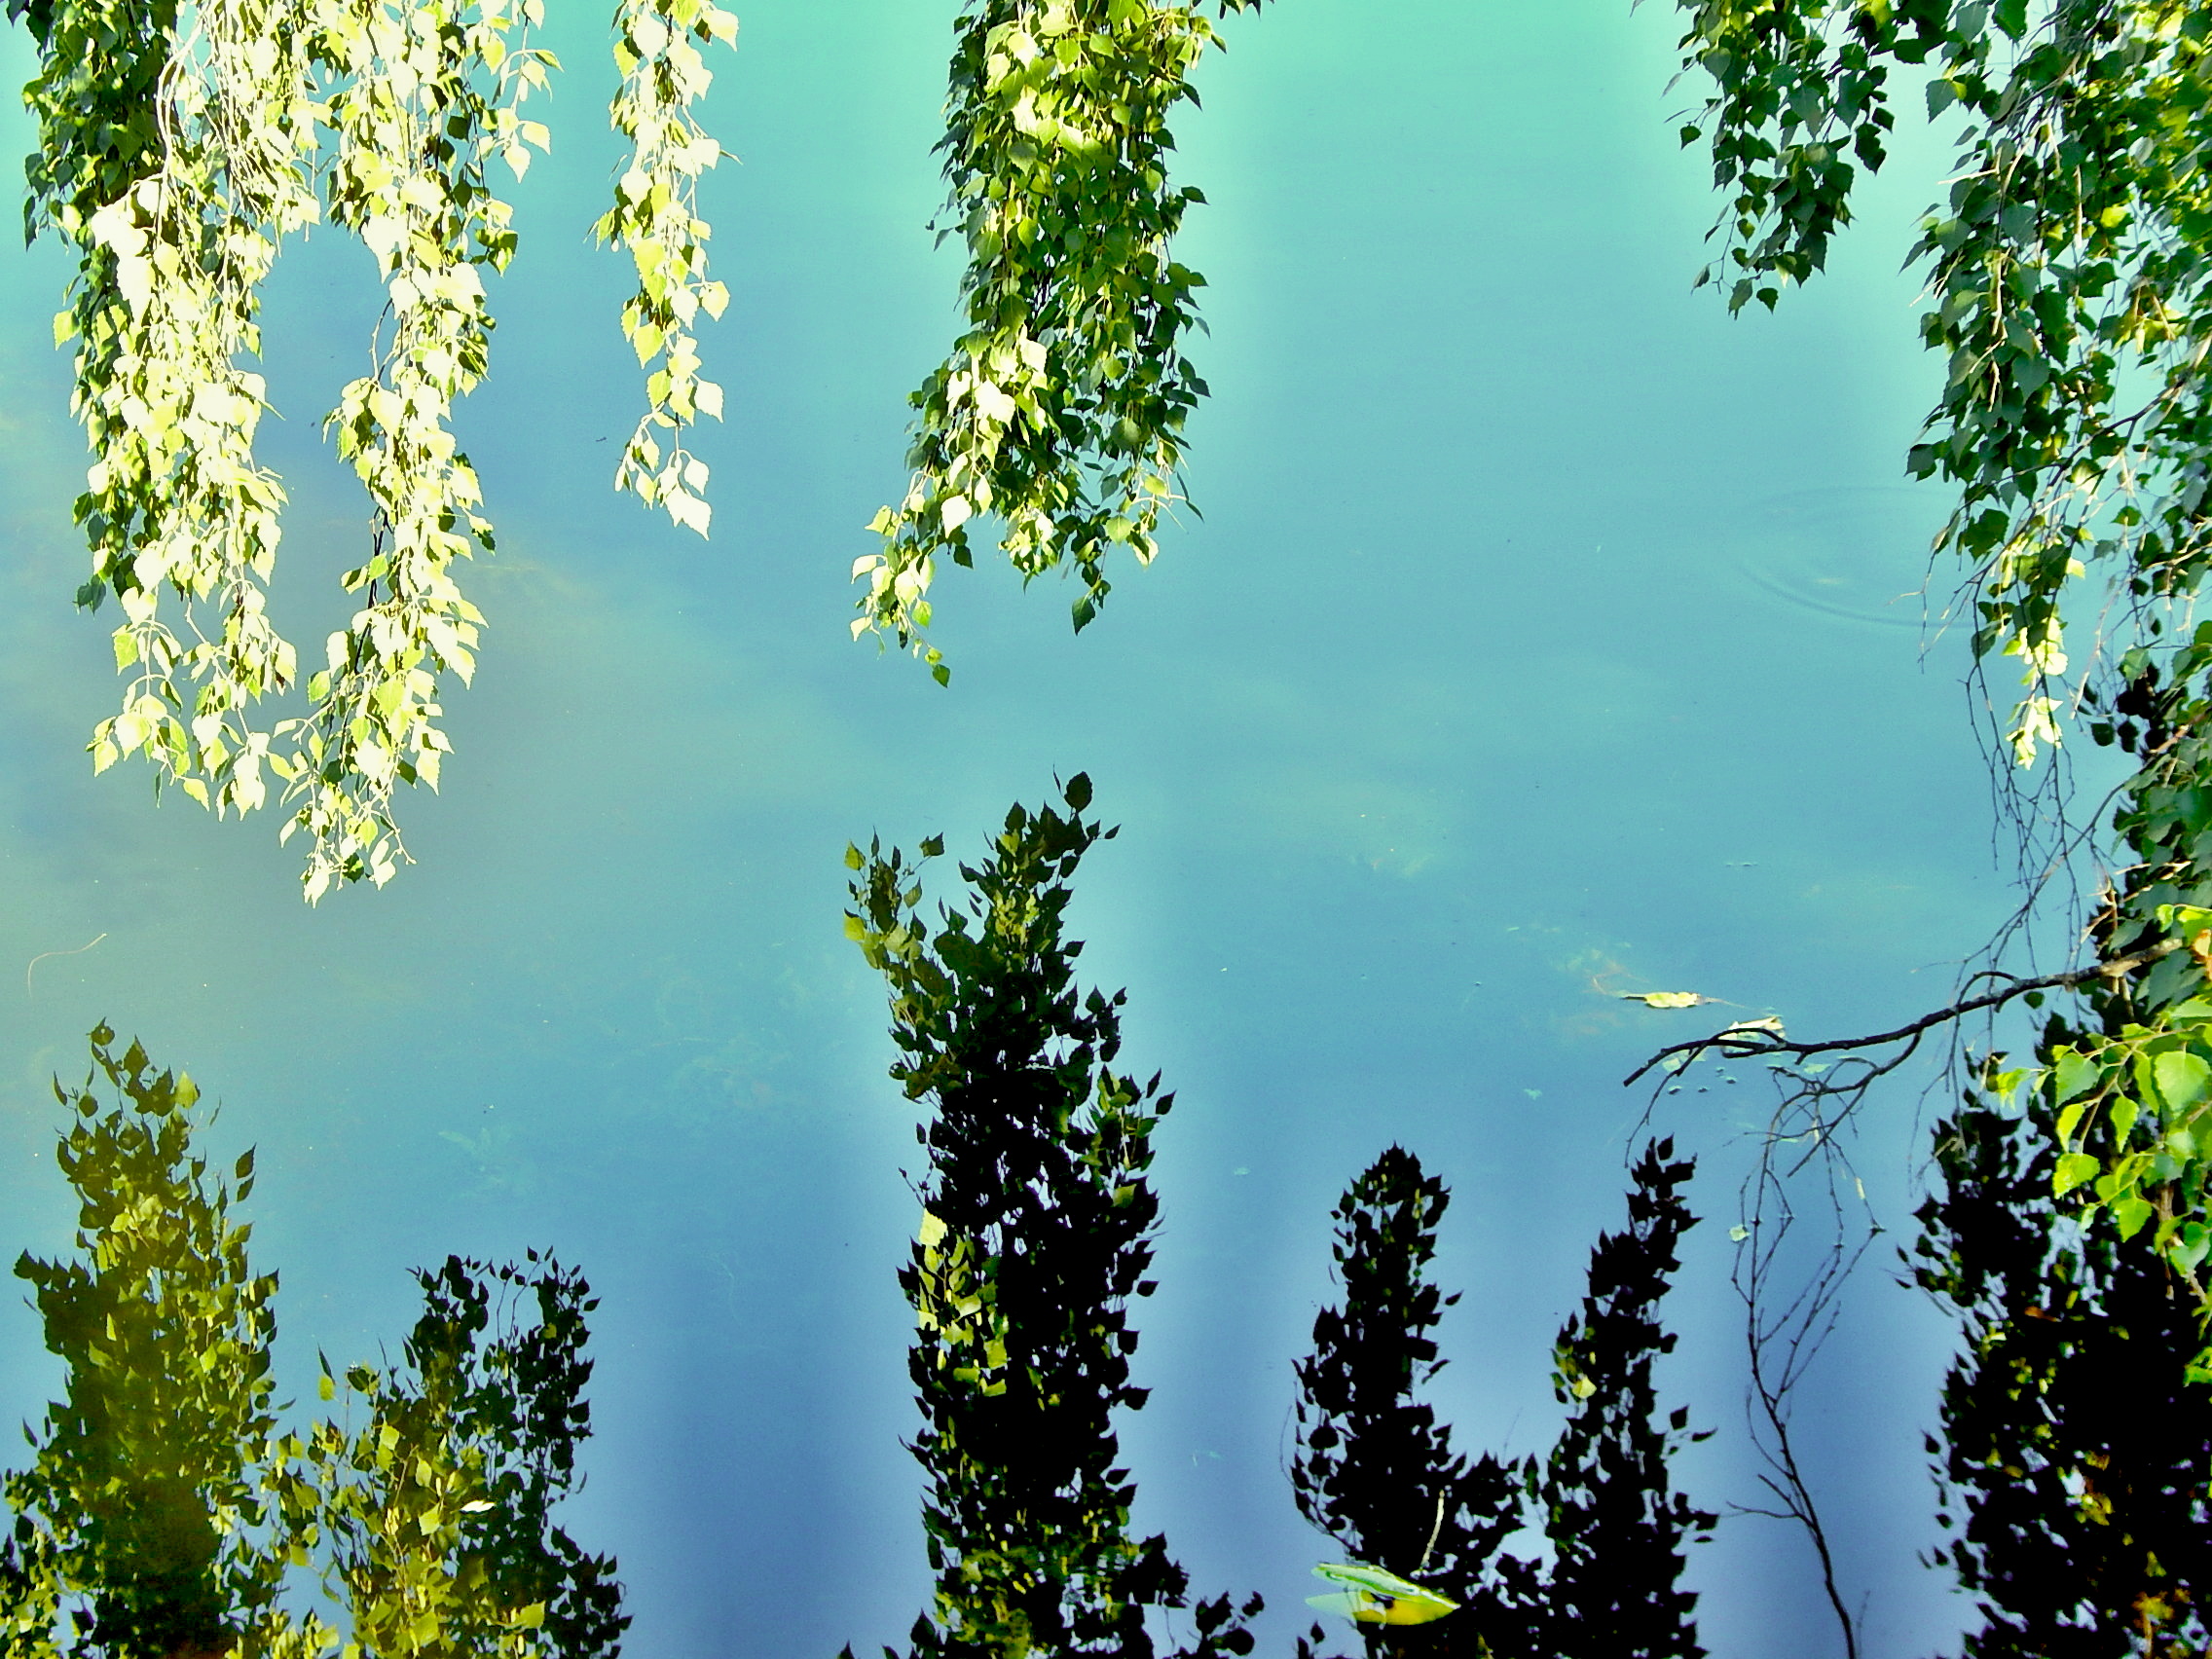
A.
x: 1377, y: 1597
x: 1739, y: 1233
x: 1762, y: 1031
x: 1666, y: 999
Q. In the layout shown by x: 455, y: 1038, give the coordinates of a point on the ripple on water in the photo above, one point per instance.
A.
x: 1857, y: 554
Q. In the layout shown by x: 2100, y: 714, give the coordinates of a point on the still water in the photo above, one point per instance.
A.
x: 1541, y: 639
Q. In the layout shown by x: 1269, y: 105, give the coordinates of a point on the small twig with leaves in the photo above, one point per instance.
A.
x: 1762, y: 1038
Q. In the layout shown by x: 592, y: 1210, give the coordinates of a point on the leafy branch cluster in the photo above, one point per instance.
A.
x: 179, y: 144
x: 2070, y: 290
x: 429, y: 92
x: 174, y: 157
x: 1060, y: 411
x: 2066, y: 270
x: 178, y: 147
x: 167, y: 1509
x: 656, y: 218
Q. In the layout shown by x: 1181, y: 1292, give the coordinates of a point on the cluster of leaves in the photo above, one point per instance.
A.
x: 165, y: 1509
x: 174, y: 157
x: 656, y: 218
x: 2125, y: 1088
x: 426, y: 94
x: 1060, y: 411
x: 1037, y: 1230
x: 2081, y: 1525
x: 2067, y: 269
x: 2070, y: 278
x: 1376, y: 1474
x: 179, y: 146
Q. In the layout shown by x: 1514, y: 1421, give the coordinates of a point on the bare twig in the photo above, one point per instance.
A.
x: 1782, y: 1342
x: 44, y: 954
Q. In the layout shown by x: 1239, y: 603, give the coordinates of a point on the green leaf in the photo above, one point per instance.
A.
x: 2183, y: 1079
x: 2073, y: 1168
x: 2075, y: 1075
x: 2068, y: 1120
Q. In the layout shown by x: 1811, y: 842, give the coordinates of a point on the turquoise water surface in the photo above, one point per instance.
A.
x: 1541, y: 639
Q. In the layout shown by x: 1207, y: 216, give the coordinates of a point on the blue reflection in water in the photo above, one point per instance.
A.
x: 1459, y: 693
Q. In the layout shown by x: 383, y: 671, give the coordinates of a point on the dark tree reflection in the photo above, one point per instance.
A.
x: 1036, y: 1231
x: 1377, y: 1474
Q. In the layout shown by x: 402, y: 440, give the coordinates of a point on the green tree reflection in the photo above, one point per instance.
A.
x: 2073, y: 1444
x: 167, y: 1510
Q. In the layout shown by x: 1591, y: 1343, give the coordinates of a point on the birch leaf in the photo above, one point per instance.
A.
x: 1666, y: 999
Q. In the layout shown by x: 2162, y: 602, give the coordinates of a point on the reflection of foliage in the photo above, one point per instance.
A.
x: 1375, y: 1469
x: 436, y: 1511
x: 1376, y: 1474
x: 165, y: 1508
x: 2073, y: 1442
x: 1060, y: 411
x: 1616, y: 1526
x: 146, y: 1500
x: 1036, y: 1229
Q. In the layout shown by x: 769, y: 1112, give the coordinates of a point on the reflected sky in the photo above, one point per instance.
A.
x: 1530, y: 650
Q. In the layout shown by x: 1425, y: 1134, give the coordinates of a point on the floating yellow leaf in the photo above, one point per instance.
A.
x: 1666, y: 999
